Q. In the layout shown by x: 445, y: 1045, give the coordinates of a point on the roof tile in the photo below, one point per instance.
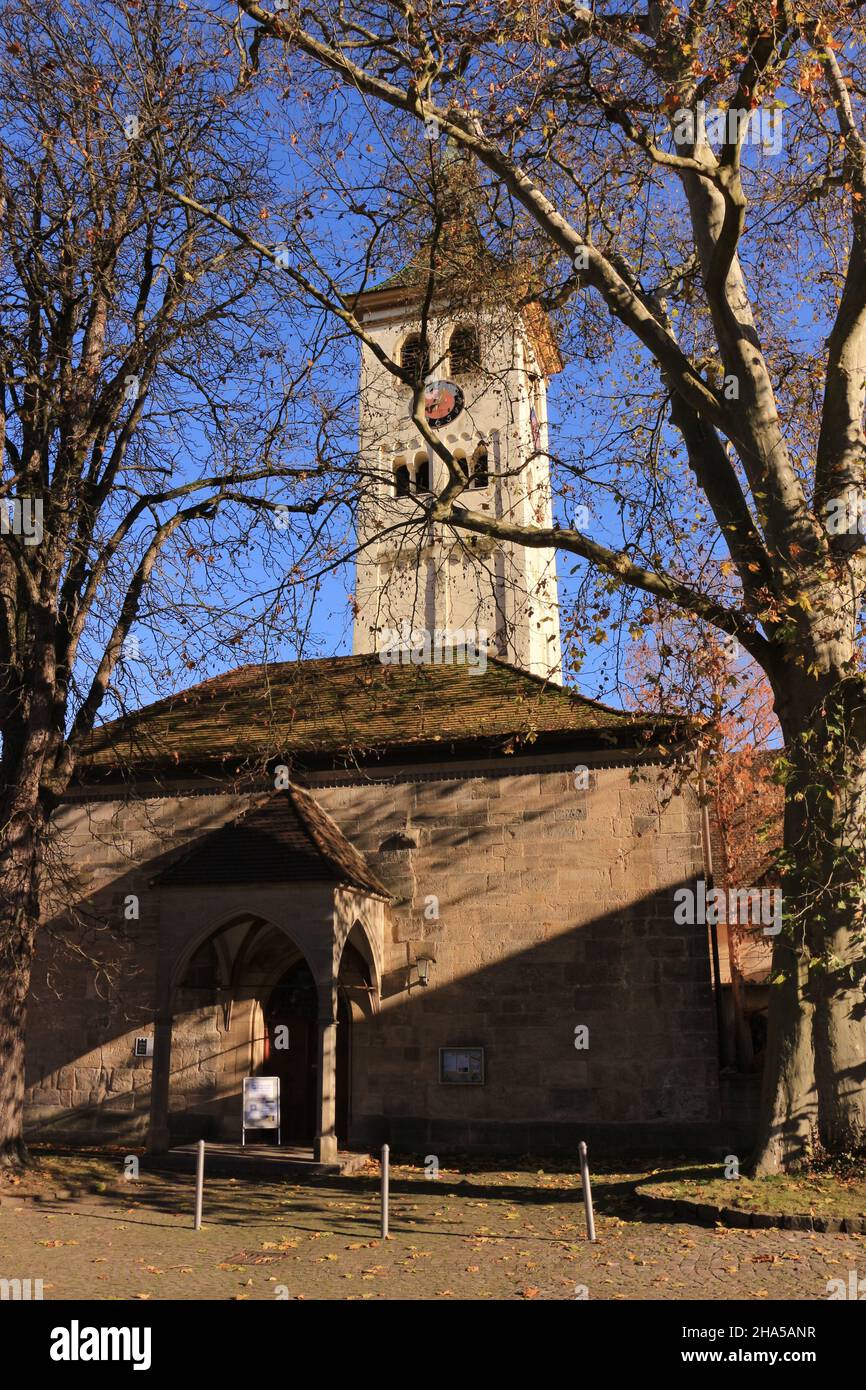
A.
x: 350, y: 704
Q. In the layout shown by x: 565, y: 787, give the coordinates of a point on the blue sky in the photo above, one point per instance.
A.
x: 572, y: 398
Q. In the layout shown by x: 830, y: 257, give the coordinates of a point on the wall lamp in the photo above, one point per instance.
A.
x: 423, y: 964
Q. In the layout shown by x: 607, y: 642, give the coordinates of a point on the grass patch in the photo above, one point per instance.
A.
x: 809, y: 1193
x: 53, y: 1168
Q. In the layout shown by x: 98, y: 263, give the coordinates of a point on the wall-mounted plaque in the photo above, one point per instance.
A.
x: 461, y: 1066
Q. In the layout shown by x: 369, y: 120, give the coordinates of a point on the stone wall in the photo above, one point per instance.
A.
x: 555, y: 909
x: 90, y: 998
x: 546, y: 907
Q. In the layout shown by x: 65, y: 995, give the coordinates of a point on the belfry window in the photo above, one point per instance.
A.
x: 414, y: 357
x: 480, y: 467
x: 422, y: 473
x: 402, y: 480
x: 464, y: 352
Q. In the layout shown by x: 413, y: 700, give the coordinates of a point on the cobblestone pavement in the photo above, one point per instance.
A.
x: 489, y: 1235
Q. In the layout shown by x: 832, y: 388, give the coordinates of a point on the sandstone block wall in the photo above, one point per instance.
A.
x: 88, y: 1002
x: 555, y: 910
x: 547, y: 909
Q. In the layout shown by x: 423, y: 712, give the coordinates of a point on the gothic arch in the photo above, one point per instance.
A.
x: 358, y: 941
x: 362, y: 934
x: 255, y: 924
x: 216, y: 1053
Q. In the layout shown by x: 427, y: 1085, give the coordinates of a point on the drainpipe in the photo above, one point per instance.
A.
x: 706, y: 840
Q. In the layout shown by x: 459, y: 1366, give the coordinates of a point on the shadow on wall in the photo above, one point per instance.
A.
x: 604, y: 1031
x: 644, y: 1075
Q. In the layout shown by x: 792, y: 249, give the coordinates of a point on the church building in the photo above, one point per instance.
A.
x: 425, y: 886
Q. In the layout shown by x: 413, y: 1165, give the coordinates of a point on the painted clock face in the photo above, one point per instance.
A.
x: 443, y: 402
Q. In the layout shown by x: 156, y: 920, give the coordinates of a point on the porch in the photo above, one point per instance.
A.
x: 270, y: 953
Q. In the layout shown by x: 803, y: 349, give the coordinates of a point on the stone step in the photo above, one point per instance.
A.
x: 288, y: 1162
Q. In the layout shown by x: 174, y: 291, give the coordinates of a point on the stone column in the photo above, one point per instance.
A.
x: 160, y: 1076
x: 325, y: 1146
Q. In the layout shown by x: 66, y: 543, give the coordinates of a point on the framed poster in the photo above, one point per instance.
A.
x: 261, y: 1102
x: 461, y: 1066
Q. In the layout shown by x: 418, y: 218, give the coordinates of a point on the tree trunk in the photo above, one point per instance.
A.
x: 789, y: 1103
x: 13, y: 1016
x: 19, y: 913
x: 814, y: 1097
x: 838, y: 850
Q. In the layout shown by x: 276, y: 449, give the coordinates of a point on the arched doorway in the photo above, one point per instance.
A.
x: 291, y: 1053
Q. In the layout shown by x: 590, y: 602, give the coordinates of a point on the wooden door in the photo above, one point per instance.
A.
x: 290, y: 1019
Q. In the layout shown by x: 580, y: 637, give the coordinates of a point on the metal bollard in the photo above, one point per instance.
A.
x: 385, y: 1196
x: 587, y: 1193
x: 199, y: 1183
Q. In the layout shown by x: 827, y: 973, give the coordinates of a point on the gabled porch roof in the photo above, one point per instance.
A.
x: 287, y: 837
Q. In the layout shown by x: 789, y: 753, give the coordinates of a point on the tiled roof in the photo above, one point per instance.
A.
x: 354, y: 705
x: 464, y: 267
x: 288, y: 838
x: 461, y: 251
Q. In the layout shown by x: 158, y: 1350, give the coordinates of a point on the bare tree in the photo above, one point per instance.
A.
x: 687, y: 184
x: 153, y: 423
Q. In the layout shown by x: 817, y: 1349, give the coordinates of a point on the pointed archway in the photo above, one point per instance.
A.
x: 290, y: 1052
x: 331, y: 922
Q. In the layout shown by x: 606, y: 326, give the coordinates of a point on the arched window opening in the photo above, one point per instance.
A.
x: 402, y: 480
x: 464, y: 350
x: 414, y: 357
x: 480, y: 467
x: 460, y: 460
x: 295, y: 994
x: 422, y: 473
x: 202, y: 973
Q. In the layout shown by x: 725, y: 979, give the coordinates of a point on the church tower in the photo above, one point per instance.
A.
x: 485, y: 365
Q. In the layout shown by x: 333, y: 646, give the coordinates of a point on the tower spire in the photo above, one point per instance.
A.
x: 486, y: 362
